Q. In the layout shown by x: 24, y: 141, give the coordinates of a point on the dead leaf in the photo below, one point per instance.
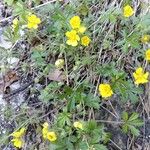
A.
x: 57, y: 75
x: 10, y: 77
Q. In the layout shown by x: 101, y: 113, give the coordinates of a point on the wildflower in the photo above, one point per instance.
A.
x: 33, y: 21
x: 73, y: 38
x: 17, y: 142
x: 15, y: 23
x: 78, y: 125
x: 85, y: 40
x: 105, y: 90
x: 147, y: 55
x: 45, y: 130
x: 51, y: 136
x: 140, y: 77
x: 75, y: 22
x: 59, y: 63
x: 128, y: 11
x: 82, y: 29
x: 17, y: 138
x: 145, y: 38
x: 18, y: 134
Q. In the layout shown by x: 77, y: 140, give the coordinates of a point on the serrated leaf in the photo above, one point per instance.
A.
x: 125, y: 116
x: 137, y: 122
x: 125, y: 128
x: 134, y: 116
x: 133, y: 130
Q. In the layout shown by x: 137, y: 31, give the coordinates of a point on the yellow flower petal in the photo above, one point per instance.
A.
x: 51, y: 136
x: 17, y: 142
x: 128, y: 11
x: 73, y: 38
x: 19, y: 133
x: 105, y: 90
x: 147, y: 55
x: 140, y: 77
x: 75, y: 22
x: 33, y: 21
x: 85, y: 40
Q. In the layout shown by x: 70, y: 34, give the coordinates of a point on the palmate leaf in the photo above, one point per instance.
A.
x: 127, y: 90
x: 131, y: 123
x: 92, y: 101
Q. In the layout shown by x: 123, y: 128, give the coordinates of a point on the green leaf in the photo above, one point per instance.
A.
x: 92, y: 101
x: 125, y: 128
x: 83, y: 145
x: 137, y: 122
x: 100, y: 147
x: 91, y: 126
x: 134, y: 116
x: 63, y: 119
x: 133, y: 130
x: 125, y: 116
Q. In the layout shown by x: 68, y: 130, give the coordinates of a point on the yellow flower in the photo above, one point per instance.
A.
x: 45, y: 130
x: 147, y: 55
x: 59, y: 63
x: 73, y: 38
x: 145, y: 38
x: 19, y: 133
x: 105, y: 90
x: 140, y: 77
x: 75, y: 22
x: 128, y: 11
x: 51, y: 136
x: 85, y: 40
x: 33, y: 21
x: 78, y: 125
x: 17, y: 142
x: 82, y: 29
x: 15, y: 23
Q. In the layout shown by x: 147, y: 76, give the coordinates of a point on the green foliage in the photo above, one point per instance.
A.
x: 63, y: 119
x: 49, y: 92
x: 114, y: 49
x: 131, y: 123
x: 79, y: 96
x: 127, y: 90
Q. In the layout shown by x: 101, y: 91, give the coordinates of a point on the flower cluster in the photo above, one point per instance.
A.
x: 17, y: 138
x: 50, y: 135
x: 32, y: 22
x: 77, y: 29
